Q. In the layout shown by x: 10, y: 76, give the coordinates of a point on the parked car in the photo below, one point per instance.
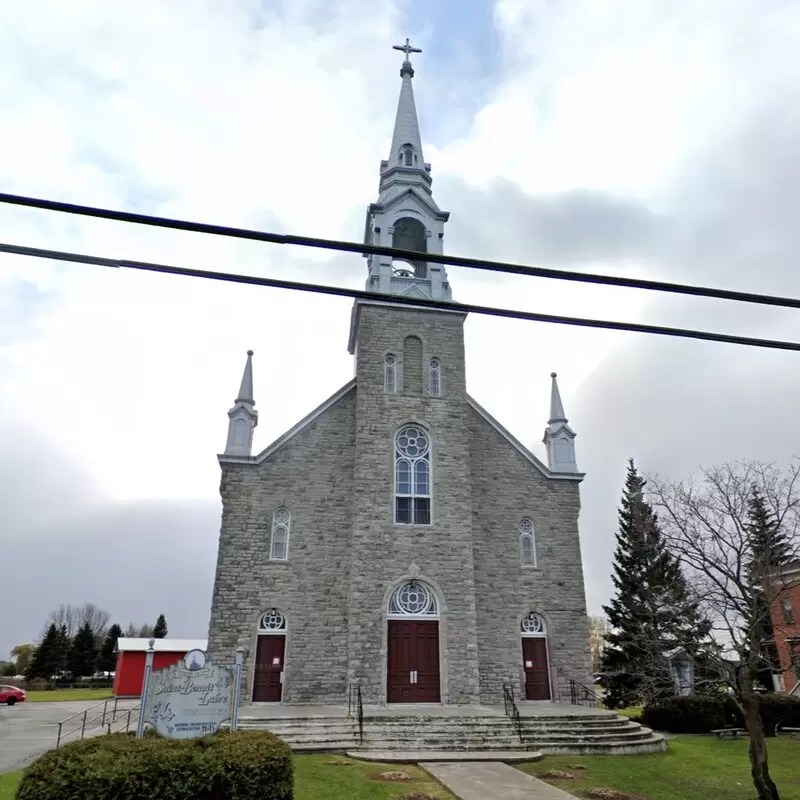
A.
x: 10, y: 695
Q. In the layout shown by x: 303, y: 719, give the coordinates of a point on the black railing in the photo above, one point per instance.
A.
x: 580, y: 695
x: 90, y: 719
x: 512, y: 712
x: 355, y: 708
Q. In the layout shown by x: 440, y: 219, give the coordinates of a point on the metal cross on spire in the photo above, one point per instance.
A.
x: 406, y: 48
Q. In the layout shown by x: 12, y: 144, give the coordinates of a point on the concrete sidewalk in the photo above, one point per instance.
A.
x: 492, y: 780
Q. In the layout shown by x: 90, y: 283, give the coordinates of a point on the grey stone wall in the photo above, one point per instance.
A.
x: 505, y: 488
x: 384, y: 553
x: 311, y: 476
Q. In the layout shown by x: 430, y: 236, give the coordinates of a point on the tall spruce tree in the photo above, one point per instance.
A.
x: 651, y: 613
x: 83, y: 653
x: 107, y: 660
x: 44, y: 662
x: 769, y: 548
x: 160, y: 628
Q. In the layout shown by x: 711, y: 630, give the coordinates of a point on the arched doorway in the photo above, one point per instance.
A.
x: 413, y: 652
x: 270, y: 657
x: 535, y: 658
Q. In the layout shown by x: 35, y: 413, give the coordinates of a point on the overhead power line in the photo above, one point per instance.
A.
x: 397, y: 300
x: 411, y: 255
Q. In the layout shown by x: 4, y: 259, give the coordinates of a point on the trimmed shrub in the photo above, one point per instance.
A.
x: 779, y: 709
x: 246, y: 765
x: 699, y: 714
x: 692, y: 714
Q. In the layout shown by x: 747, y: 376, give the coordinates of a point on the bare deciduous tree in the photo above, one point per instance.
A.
x: 598, y: 627
x: 706, y: 523
x: 73, y: 618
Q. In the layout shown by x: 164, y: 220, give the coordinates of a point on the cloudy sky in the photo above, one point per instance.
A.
x: 655, y: 138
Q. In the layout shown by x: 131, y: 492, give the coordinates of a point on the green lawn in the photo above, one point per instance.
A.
x: 67, y: 694
x: 694, y: 768
x: 329, y: 777
x: 8, y: 783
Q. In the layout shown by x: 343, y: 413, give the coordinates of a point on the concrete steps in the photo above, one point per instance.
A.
x: 568, y: 734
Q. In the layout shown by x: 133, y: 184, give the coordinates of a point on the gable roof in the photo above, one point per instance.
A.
x: 281, y: 441
x: 520, y: 448
x: 131, y: 644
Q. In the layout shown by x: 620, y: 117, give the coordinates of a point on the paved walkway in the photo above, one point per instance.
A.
x: 493, y: 780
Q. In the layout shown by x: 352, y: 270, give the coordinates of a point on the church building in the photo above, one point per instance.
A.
x: 399, y: 539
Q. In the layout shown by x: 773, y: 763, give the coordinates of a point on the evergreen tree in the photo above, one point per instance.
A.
x: 651, y: 613
x: 107, y: 659
x: 160, y: 629
x: 83, y: 653
x: 769, y: 548
x: 44, y: 662
x: 61, y: 648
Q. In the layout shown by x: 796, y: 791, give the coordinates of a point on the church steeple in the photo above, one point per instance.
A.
x: 406, y: 215
x: 559, y: 438
x: 243, y: 417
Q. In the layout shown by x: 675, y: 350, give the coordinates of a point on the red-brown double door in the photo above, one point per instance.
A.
x: 269, y: 666
x: 413, y: 662
x: 537, y: 674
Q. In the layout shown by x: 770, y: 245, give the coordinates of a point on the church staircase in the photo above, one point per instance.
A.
x: 420, y: 733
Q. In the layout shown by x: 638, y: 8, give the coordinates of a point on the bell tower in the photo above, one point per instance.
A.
x: 405, y: 215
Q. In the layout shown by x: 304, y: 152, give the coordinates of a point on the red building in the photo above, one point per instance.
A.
x: 786, y: 623
x: 131, y: 655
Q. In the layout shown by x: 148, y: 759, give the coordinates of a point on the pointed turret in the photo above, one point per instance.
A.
x: 243, y: 417
x: 559, y: 438
x: 406, y: 215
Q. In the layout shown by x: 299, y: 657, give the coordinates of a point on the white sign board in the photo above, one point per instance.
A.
x: 189, y: 699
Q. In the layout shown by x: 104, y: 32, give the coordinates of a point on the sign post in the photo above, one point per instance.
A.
x: 237, y: 687
x: 148, y: 670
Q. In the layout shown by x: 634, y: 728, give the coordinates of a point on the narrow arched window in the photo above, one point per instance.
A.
x: 434, y: 377
x: 279, y: 545
x: 412, y: 365
x: 408, y: 157
x: 390, y: 373
x: 412, y: 489
x: 527, y: 543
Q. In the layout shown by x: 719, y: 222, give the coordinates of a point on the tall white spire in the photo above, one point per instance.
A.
x: 559, y: 438
x: 406, y: 125
x: 243, y: 417
x: 406, y: 215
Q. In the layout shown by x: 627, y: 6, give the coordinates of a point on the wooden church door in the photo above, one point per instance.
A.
x: 413, y: 662
x: 269, y: 667
x: 537, y: 674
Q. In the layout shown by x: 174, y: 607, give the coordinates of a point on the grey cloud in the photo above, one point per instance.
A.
x: 66, y: 543
x: 502, y: 222
x: 676, y: 405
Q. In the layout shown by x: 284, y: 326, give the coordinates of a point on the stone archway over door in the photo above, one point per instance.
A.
x: 413, y: 674
x: 270, y: 658
x: 535, y: 659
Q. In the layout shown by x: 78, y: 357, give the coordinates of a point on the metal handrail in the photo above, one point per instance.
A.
x: 580, y: 695
x: 127, y: 718
x: 512, y: 712
x: 355, y: 705
x: 86, y: 718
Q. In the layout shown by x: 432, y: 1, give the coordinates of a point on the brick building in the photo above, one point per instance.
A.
x: 399, y: 538
x: 786, y: 625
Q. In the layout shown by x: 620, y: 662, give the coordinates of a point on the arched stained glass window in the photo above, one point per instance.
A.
x: 390, y: 373
x: 412, y: 490
x: 279, y: 546
x: 435, y: 377
x: 527, y: 543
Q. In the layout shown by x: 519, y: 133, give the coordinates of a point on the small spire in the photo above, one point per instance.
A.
x: 556, y: 406
x: 559, y: 438
x: 246, y: 388
x: 242, y: 418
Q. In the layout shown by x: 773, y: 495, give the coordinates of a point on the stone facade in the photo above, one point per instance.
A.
x: 333, y: 477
